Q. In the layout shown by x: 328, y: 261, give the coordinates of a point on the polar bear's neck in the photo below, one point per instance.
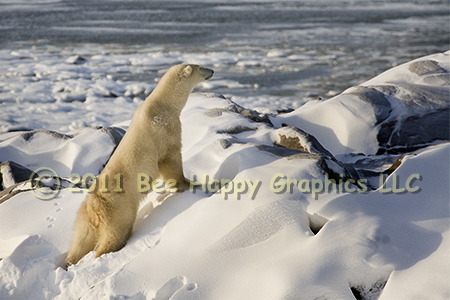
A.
x: 170, y: 94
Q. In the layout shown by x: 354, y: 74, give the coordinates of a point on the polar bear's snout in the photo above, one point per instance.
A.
x: 208, y: 73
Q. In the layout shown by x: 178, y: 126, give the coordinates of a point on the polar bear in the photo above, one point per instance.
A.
x: 151, y: 146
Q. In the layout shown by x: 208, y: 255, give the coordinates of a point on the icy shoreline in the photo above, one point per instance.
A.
x: 278, y: 243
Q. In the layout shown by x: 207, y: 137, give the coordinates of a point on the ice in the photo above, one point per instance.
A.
x: 223, y: 83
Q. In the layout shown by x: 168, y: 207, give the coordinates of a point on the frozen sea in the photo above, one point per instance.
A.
x: 267, y: 54
x: 280, y: 229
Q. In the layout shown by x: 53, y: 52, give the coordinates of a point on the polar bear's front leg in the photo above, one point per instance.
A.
x: 172, y: 168
x: 112, y: 239
x: 114, y: 230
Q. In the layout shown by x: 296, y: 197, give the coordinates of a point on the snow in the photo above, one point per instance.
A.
x: 269, y: 232
x: 344, y: 124
x: 67, y: 155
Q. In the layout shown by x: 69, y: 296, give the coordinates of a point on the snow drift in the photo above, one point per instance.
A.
x: 278, y: 227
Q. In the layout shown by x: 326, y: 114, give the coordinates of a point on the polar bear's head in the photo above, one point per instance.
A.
x: 178, y: 82
x: 195, y: 73
x: 181, y: 79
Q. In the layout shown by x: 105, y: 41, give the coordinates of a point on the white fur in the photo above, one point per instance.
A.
x: 152, y: 145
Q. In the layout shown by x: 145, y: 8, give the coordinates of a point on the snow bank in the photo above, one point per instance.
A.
x: 398, y: 111
x: 280, y: 228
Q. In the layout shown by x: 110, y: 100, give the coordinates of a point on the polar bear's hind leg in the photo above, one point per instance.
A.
x: 84, y: 239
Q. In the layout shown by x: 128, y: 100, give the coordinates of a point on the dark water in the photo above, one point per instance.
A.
x: 349, y: 41
x: 206, y: 23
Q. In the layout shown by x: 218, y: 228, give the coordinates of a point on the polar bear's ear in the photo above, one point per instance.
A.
x: 187, y: 71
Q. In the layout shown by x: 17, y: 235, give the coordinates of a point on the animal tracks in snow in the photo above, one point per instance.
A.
x: 51, y: 219
x: 170, y: 288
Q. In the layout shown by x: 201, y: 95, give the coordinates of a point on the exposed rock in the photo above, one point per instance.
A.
x: 29, y: 135
x: 414, y: 132
x: 76, y: 60
x: 394, y: 166
x: 316, y: 223
x: 402, y: 110
x: 424, y: 98
x: 284, y: 110
x: 18, y: 128
x: 431, y: 72
x: 293, y: 138
x: 236, y: 108
x: 422, y: 112
x: 53, y: 183
x: 291, y: 142
x: 237, y: 129
x: 379, y: 163
x: 286, y: 152
x: 63, y: 153
x: 373, y: 291
x: 426, y: 67
x: 226, y: 143
x: 437, y: 79
x: 378, y: 100
x: 13, y: 173
x: 115, y: 133
x: 11, y: 191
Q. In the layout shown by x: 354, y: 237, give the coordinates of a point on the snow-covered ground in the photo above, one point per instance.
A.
x: 73, y: 72
x: 279, y: 230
